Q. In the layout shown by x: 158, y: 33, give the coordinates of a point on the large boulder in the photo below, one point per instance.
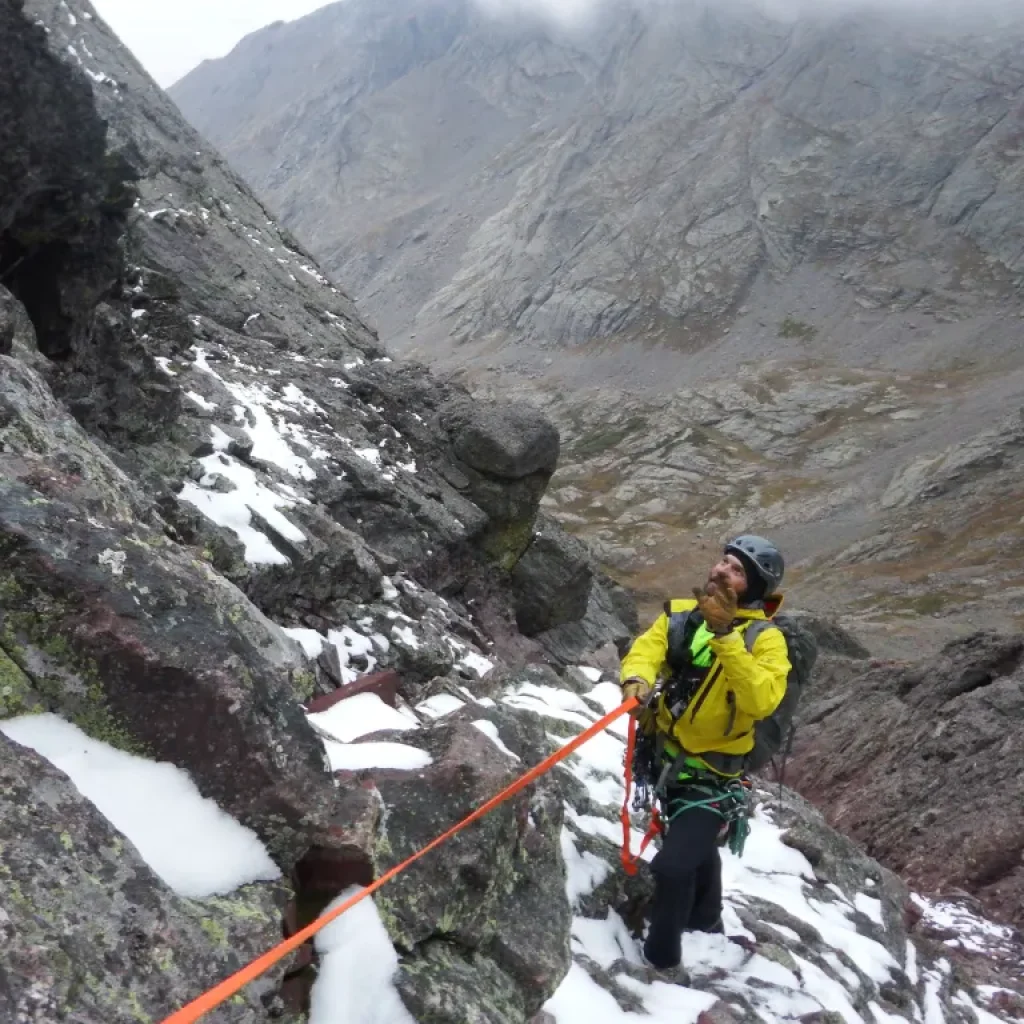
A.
x: 89, y: 933
x: 64, y: 205
x: 483, y: 923
x: 830, y: 636
x: 508, y: 440
x: 919, y: 761
x: 551, y: 582
x: 610, y: 621
x: 504, y: 455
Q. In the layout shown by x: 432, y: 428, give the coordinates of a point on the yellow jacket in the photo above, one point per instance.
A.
x: 740, y: 687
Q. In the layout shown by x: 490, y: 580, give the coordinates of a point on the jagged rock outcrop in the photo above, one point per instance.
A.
x: 498, y: 939
x: 211, y: 474
x: 919, y: 762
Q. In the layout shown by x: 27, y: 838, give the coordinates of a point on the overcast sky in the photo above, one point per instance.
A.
x: 171, y: 37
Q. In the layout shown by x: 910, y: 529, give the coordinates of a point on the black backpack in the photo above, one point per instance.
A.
x: 775, y: 733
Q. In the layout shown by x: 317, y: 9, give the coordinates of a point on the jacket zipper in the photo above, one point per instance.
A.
x: 706, y: 689
x: 731, y: 700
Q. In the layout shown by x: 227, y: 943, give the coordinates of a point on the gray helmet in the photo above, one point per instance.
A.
x: 761, y: 556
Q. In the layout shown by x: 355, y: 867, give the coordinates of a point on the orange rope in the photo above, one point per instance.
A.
x: 629, y: 861
x: 226, y: 989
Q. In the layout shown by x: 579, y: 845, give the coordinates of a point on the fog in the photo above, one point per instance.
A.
x: 569, y: 13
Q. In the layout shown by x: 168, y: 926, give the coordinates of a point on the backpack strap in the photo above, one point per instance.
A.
x: 755, y: 629
x: 682, y: 627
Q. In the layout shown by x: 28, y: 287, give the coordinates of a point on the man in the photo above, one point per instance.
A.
x: 714, y: 691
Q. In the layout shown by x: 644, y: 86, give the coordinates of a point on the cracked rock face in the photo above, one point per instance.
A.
x: 905, y: 756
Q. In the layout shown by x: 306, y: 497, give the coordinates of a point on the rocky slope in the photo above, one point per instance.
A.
x: 763, y: 272
x: 905, y: 757
x: 895, y: 494
x: 275, y: 610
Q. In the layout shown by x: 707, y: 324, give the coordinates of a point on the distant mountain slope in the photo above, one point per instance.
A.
x: 483, y: 177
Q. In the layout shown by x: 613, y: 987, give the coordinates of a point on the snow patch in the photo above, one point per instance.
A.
x: 311, y: 641
x: 200, y: 401
x: 356, y: 757
x: 973, y: 933
x: 490, y: 730
x: 188, y: 841
x: 357, y: 716
x: 234, y: 509
x: 355, y: 983
x: 476, y: 663
x: 439, y: 705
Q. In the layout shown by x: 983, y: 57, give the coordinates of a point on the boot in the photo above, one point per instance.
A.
x: 677, y: 975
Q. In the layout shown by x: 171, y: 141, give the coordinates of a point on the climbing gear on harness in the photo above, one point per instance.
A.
x: 644, y: 796
x: 729, y: 799
x: 222, y: 992
x: 682, y: 784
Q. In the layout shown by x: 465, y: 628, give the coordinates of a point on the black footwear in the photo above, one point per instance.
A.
x: 677, y: 975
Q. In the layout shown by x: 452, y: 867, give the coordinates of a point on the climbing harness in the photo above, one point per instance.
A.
x: 680, y: 787
x: 222, y: 992
x: 729, y: 799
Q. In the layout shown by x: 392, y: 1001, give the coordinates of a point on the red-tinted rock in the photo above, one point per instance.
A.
x: 383, y: 684
x: 919, y: 762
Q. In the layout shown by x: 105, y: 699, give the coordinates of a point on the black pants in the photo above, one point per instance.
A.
x: 688, y: 885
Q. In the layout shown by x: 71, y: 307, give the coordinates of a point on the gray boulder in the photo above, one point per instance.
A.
x: 503, y: 439
x: 89, y: 933
x: 552, y: 580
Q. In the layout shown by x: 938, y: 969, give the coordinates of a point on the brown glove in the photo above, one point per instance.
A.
x: 717, y: 603
x: 636, y: 687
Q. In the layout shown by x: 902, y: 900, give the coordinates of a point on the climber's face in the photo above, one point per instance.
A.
x: 728, y: 571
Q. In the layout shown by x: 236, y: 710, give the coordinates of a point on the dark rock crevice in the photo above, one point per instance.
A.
x: 64, y: 205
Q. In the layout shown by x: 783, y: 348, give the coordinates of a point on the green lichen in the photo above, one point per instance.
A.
x: 100, y: 723
x: 136, y: 1009
x: 237, y: 907
x: 87, y: 708
x: 792, y: 328
x: 304, y: 683
x: 215, y: 931
x: 505, y: 545
x: 17, y: 696
x: 10, y: 591
x: 66, y: 842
